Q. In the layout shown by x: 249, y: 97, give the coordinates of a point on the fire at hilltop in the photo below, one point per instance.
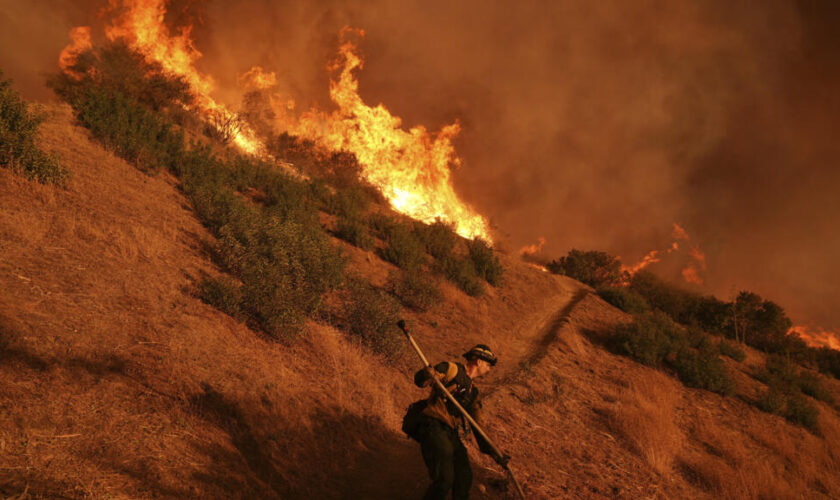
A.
x: 817, y: 337
x: 691, y: 273
x: 411, y: 168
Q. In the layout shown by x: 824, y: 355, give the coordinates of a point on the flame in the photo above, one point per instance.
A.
x: 647, y: 260
x: 691, y: 273
x: 817, y: 337
x: 531, y: 250
x: 411, y: 168
x: 141, y: 25
x: 257, y: 78
x: 79, y: 42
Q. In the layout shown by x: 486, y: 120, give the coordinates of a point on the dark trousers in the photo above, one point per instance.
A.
x: 447, y: 461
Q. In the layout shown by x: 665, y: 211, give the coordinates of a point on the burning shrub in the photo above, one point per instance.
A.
x: 439, y: 238
x: 371, y: 315
x: 404, y: 249
x: 18, y: 133
x: 116, y: 68
x: 623, y: 298
x: 591, y: 267
x: 354, y: 232
x: 486, y: 265
x: 731, y: 350
x: 415, y: 289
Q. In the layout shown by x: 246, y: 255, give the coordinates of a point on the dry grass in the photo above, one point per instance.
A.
x: 117, y: 382
x: 645, y: 416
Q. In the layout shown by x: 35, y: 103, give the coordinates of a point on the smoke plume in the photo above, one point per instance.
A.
x: 593, y: 125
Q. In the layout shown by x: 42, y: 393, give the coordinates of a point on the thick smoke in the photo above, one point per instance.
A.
x: 594, y: 124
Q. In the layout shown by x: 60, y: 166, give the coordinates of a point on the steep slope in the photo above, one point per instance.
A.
x: 117, y: 382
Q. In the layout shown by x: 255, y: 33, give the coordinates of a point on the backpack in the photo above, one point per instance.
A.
x: 414, y: 421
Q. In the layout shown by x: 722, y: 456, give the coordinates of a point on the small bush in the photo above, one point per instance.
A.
x: 772, y: 401
x: 623, y: 298
x: 349, y: 202
x: 439, y: 238
x: 810, y: 384
x: 415, y: 289
x: 591, y: 267
x: 462, y: 273
x: 486, y: 265
x: 404, y: 249
x: 18, y: 136
x: 703, y: 369
x: 648, y: 339
x: 800, y: 411
x: 223, y: 293
x: 354, y: 232
x: 372, y: 315
x: 732, y: 350
x: 381, y: 224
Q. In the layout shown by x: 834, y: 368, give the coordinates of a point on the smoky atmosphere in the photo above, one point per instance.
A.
x: 583, y: 125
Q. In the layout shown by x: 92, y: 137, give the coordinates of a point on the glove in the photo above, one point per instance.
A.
x: 502, y: 459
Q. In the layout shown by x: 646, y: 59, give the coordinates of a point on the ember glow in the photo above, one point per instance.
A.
x: 410, y: 167
x: 817, y: 337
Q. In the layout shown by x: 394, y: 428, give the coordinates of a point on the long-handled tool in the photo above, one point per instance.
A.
x: 451, y: 398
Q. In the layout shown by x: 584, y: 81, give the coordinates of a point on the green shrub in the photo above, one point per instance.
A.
x: 800, y: 411
x: 772, y: 401
x: 462, y: 273
x: 591, y: 267
x: 223, y: 293
x: 623, y: 298
x: 703, y: 369
x: 732, y: 350
x: 381, y: 224
x: 404, y: 249
x: 647, y: 339
x: 348, y: 202
x: 828, y: 361
x: 372, y: 315
x: 131, y: 131
x: 809, y: 383
x: 415, y: 289
x: 18, y: 136
x: 439, y: 238
x: 486, y: 265
x: 354, y: 232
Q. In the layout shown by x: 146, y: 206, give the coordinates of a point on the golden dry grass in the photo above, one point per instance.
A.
x: 117, y: 382
x: 645, y: 416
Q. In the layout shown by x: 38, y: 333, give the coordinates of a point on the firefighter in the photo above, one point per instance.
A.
x: 440, y: 442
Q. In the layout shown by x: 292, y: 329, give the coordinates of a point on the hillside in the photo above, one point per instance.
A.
x: 116, y: 381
